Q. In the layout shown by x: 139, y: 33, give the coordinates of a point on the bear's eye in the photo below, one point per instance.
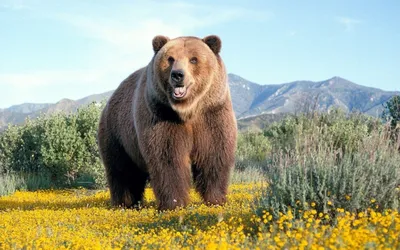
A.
x: 193, y: 60
x: 171, y: 60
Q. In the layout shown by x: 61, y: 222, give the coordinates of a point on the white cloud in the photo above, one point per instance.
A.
x: 125, y: 37
x: 13, y: 5
x: 122, y: 36
x: 171, y: 19
x: 348, y: 23
x: 36, y: 79
x: 129, y: 38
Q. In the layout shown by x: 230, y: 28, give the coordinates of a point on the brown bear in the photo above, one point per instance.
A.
x: 169, y: 122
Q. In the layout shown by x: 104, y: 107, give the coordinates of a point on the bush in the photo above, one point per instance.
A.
x: 252, y: 150
x: 60, y: 146
x: 8, y: 145
x: 344, y: 131
x: 391, y: 111
x: 332, y: 162
x: 87, y: 125
x: 252, y: 146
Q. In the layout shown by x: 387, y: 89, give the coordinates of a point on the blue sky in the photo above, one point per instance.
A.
x: 51, y: 50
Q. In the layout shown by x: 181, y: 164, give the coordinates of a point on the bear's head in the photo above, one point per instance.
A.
x: 186, y: 69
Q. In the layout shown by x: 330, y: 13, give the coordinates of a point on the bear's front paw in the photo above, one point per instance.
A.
x: 215, y: 199
x: 172, y: 204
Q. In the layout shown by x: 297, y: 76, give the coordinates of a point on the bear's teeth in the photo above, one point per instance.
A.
x: 179, y: 91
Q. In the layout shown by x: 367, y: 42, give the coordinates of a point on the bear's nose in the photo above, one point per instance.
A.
x: 177, y: 75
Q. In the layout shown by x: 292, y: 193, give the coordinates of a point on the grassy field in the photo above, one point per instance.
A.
x: 333, y: 183
x: 83, y: 219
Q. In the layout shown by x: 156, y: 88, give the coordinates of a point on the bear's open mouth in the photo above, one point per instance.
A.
x: 179, y: 92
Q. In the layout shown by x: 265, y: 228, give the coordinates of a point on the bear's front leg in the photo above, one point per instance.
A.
x: 166, y: 151
x: 212, y: 165
x: 213, y: 155
x: 211, y: 178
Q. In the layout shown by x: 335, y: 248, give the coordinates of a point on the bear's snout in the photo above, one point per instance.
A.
x: 178, y: 76
x: 178, y: 84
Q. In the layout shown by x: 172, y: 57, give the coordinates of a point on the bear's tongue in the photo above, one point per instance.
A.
x: 179, y: 92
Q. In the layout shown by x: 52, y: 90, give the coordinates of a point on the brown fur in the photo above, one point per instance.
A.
x: 144, y: 133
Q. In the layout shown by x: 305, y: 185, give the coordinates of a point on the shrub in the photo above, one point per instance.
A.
x: 87, y: 125
x: 344, y: 131
x: 335, y: 162
x: 252, y: 149
x: 9, y: 140
x: 62, y: 149
x: 60, y: 146
x: 391, y: 111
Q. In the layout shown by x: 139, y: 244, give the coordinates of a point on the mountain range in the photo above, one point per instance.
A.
x: 249, y: 99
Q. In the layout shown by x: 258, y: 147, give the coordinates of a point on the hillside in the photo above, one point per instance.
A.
x: 249, y: 100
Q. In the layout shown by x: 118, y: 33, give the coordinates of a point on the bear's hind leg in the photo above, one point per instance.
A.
x: 126, y: 181
x: 136, y: 181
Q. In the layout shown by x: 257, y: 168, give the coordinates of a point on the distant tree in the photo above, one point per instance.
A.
x: 391, y: 111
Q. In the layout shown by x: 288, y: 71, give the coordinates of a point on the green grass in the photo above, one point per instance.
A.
x: 252, y: 174
x: 11, y: 182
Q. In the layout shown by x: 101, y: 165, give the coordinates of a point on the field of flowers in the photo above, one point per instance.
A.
x: 83, y: 219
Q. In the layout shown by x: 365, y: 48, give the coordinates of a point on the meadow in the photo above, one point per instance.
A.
x: 313, y: 181
x: 83, y: 219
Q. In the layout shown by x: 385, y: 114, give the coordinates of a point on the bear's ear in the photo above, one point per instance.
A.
x: 159, y: 42
x: 214, y: 42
